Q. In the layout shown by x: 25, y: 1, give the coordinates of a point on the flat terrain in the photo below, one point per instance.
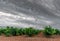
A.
x: 19, y: 38
x: 24, y: 38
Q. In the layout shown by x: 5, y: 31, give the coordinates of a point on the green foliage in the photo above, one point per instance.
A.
x: 57, y: 32
x: 35, y: 31
x: 30, y: 31
x: 17, y: 31
x: 14, y: 31
x: 21, y: 31
x: 49, y: 30
x: 7, y: 31
x: 0, y: 31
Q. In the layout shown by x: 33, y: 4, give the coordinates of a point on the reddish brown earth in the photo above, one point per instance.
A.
x: 39, y: 37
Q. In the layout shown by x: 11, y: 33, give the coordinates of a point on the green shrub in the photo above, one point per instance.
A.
x: 21, y: 31
x: 7, y: 31
x: 0, y: 31
x: 35, y: 31
x: 13, y: 31
x: 57, y: 32
x: 30, y: 31
x: 49, y: 31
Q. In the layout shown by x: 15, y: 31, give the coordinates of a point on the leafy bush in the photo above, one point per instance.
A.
x: 35, y: 31
x: 30, y: 31
x: 49, y: 30
x: 7, y: 31
x: 57, y: 32
x: 21, y: 31
x: 14, y: 31
x: 0, y: 31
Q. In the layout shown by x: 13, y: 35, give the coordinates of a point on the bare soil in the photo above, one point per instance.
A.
x: 39, y: 37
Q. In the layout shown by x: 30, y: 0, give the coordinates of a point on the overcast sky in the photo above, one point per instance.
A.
x: 25, y: 13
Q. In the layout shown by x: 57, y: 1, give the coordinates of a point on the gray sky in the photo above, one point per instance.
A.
x: 25, y: 13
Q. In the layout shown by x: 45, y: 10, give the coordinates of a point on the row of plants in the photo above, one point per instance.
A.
x: 11, y: 31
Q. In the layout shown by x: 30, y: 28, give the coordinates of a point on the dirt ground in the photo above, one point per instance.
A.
x: 39, y: 37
